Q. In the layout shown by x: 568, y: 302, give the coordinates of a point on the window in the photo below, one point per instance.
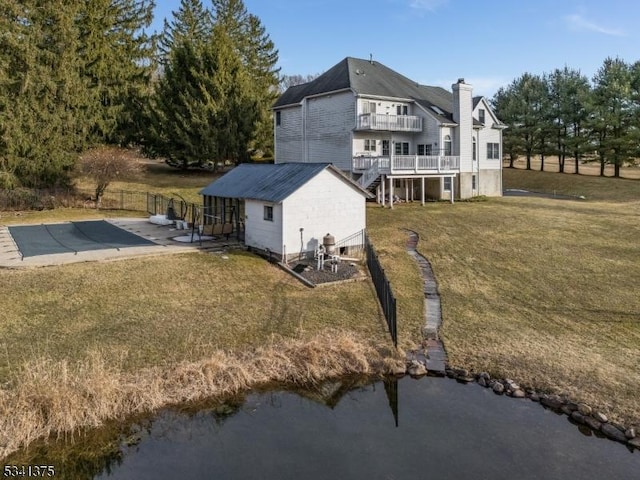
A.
x: 369, y: 107
x: 402, y: 110
x: 481, y: 115
x: 475, y: 147
x: 385, y: 148
x: 268, y: 213
x: 447, y: 145
x: 278, y: 119
x: 493, y: 151
x: 402, y: 148
x: 424, y: 149
x: 474, y: 185
x: 447, y: 184
x: 369, y: 145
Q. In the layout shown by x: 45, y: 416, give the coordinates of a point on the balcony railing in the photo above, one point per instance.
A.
x: 409, y: 164
x: 389, y: 123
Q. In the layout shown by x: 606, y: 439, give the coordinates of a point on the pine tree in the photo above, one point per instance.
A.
x: 613, y: 113
x: 192, y: 22
x: 43, y: 131
x: 181, y: 111
x: 70, y: 71
x: 213, y: 96
x: 522, y: 106
x: 116, y: 55
x: 259, y: 57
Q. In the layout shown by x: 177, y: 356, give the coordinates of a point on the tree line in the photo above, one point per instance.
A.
x: 566, y: 115
x: 78, y: 74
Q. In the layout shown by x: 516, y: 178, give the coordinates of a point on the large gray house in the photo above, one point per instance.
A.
x: 393, y: 136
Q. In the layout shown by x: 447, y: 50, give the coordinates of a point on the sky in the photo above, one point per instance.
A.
x: 489, y: 43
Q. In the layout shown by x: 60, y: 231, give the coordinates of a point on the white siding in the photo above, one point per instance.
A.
x: 325, y: 204
x: 488, y: 134
x: 329, y: 122
x: 261, y: 233
x: 288, y: 135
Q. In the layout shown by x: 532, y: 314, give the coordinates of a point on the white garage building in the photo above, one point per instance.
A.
x: 286, y: 209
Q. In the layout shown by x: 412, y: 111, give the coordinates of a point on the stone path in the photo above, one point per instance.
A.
x: 436, y: 358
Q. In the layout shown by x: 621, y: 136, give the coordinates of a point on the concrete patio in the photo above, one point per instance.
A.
x: 161, y: 235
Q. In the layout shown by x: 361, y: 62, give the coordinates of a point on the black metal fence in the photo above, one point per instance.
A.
x: 42, y: 199
x: 383, y: 289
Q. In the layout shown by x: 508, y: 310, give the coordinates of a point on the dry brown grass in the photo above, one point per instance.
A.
x: 588, y: 169
x: 157, y: 177
x: 59, y: 397
x: 163, y: 310
x: 542, y: 291
x: 588, y: 186
x: 166, y: 329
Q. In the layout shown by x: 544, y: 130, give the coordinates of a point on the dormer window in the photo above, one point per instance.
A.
x: 481, y: 115
x: 402, y: 110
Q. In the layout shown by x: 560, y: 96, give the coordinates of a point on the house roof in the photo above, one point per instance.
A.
x: 269, y: 182
x: 366, y: 77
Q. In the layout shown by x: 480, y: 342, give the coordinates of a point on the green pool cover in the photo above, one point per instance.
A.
x: 33, y: 240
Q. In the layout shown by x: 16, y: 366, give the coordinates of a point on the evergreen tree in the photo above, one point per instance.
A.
x: 116, y: 61
x: 43, y: 129
x: 178, y: 128
x: 259, y: 57
x: 69, y: 72
x: 612, y: 116
x: 192, y: 22
x: 214, y: 96
x: 522, y: 106
x: 506, y: 107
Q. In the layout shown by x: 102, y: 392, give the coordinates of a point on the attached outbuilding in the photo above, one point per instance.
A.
x: 285, y: 210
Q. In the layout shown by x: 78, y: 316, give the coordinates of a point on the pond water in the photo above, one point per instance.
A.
x: 430, y: 428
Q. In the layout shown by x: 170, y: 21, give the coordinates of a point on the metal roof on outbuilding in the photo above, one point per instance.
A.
x: 270, y: 182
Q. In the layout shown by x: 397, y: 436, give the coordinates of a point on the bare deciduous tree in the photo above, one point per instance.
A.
x: 105, y: 164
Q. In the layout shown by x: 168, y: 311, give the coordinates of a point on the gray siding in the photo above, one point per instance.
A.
x: 288, y: 136
x: 330, y: 120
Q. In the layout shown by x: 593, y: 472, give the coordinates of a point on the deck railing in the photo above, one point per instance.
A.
x: 390, y: 123
x: 408, y: 164
x: 353, y: 244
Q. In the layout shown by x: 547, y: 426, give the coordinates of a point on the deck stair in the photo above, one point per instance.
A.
x: 370, y: 176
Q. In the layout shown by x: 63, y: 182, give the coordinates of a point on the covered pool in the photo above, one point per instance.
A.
x: 73, y: 237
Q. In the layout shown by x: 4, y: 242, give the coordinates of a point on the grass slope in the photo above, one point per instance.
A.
x: 542, y: 291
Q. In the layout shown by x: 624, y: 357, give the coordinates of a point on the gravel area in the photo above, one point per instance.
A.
x: 346, y: 271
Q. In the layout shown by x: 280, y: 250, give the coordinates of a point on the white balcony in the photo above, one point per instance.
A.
x: 409, y: 164
x: 389, y: 123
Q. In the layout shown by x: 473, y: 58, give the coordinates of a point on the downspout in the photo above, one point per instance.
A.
x: 305, y: 147
x: 478, y: 162
x: 275, y: 137
x: 500, y: 155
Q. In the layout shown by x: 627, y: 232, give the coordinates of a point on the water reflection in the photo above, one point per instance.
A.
x: 432, y: 427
